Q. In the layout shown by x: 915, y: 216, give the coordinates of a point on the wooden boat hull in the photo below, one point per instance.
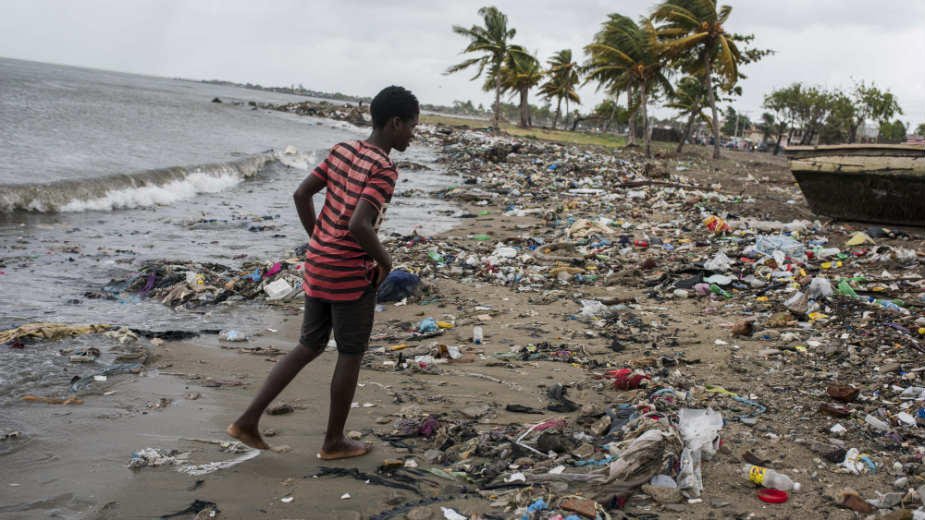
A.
x: 884, y: 184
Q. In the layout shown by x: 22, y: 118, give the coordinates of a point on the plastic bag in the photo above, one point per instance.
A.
x: 690, y: 477
x: 592, y: 308
x: 398, y: 285
x: 720, y: 263
x: 766, y: 245
x: 716, y: 224
x: 427, y: 325
x: 819, y: 288
x: 700, y: 431
x: 798, y: 304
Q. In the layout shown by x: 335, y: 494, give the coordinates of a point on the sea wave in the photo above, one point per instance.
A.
x: 145, y: 188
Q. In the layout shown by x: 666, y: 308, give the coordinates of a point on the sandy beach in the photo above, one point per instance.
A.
x: 77, y: 465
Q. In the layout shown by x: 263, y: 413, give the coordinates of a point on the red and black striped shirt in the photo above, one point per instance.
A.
x: 336, y: 267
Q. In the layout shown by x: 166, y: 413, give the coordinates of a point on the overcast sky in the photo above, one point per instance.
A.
x: 357, y: 47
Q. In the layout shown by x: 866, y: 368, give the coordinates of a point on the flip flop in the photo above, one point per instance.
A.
x: 362, y: 451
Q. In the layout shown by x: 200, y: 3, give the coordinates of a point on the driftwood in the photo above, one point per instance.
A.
x: 636, y: 184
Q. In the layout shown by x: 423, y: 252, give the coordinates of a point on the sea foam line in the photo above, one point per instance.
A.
x: 146, y: 188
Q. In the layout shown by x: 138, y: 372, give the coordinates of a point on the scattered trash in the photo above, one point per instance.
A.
x: 770, y: 478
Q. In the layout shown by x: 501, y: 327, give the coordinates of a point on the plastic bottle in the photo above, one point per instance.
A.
x: 477, y: 335
x: 890, y: 305
x: 715, y: 289
x: 770, y: 478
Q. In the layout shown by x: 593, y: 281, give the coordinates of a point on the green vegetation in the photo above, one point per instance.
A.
x: 627, y: 55
x: 688, y: 100
x: 624, y: 56
x: 894, y: 132
x: 543, y: 134
x: 832, y: 115
x: 520, y: 72
x: 695, y: 35
x: 563, y: 78
x: 491, y: 42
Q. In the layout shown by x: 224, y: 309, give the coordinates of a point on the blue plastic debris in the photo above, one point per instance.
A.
x: 427, y: 325
x: 539, y: 505
x: 398, y: 285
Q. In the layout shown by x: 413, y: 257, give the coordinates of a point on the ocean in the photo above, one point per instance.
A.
x: 105, y: 171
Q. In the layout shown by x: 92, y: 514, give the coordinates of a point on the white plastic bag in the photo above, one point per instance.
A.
x: 700, y: 432
x: 700, y: 429
x: 819, y: 288
x: 768, y: 244
x: 690, y: 477
x: 719, y: 263
x: 592, y: 308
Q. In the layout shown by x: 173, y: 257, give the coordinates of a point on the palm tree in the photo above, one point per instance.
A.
x: 625, y: 54
x: 563, y: 78
x: 491, y: 41
x: 688, y: 98
x: 519, y: 72
x: 696, y: 27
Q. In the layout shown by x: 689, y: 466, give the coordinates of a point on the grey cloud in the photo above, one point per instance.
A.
x: 358, y: 46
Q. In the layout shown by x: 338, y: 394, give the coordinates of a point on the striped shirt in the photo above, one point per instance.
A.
x: 336, y: 267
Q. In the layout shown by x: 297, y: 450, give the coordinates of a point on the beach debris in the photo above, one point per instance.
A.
x: 44, y: 331
x: 198, y: 507
x: 52, y: 400
x: 280, y: 409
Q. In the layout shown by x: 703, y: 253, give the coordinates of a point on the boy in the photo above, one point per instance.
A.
x: 344, y: 264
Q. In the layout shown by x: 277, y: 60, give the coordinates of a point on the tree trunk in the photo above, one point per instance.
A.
x: 645, y: 120
x: 566, y: 113
x: 854, y: 131
x: 687, y: 132
x: 777, y: 144
x: 708, y: 85
x: 523, y: 107
x: 613, y: 112
x: 632, y: 116
x: 498, y: 98
x: 556, y: 119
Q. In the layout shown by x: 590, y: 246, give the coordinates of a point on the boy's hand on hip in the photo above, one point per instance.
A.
x: 382, y: 271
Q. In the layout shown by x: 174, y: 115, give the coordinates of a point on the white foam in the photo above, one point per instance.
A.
x: 295, y: 159
x: 144, y: 196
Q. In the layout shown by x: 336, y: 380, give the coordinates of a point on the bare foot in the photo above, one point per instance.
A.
x: 344, y: 449
x: 249, y: 436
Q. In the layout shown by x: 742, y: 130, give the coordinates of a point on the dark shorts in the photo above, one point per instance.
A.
x: 352, y: 323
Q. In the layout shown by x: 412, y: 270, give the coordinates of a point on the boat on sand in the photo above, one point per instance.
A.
x: 881, y: 183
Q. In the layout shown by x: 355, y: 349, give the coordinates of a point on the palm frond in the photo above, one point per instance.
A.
x: 464, y: 65
x: 727, y: 61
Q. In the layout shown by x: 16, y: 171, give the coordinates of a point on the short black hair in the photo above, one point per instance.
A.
x: 393, y: 101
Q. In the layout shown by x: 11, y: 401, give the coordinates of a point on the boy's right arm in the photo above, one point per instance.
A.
x: 362, y: 230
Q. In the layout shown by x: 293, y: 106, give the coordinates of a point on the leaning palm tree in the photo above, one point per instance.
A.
x: 688, y: 99
x: 491, y: 42
x: 523, y: 73
x: 625, y: 54
x: 563, y: 74
x: 695, y: 28
x: 519, y: 72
